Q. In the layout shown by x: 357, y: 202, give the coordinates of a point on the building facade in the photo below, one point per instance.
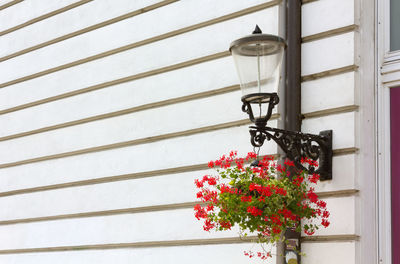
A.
x: 110, y: 109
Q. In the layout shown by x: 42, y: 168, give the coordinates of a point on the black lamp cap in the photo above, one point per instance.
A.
x: 257, y: 30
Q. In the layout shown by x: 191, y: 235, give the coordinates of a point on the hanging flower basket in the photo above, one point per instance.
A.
x: 264, y: 200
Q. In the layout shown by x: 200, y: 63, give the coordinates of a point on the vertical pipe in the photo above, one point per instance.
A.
x: 293, y: 118
x: 293, y: 66
x: 280, y: 246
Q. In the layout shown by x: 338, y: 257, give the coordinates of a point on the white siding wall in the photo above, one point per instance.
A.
x: 329, y: 100
x: 110, y: 109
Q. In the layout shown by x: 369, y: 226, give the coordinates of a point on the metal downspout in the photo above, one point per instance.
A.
x: 293, y: 117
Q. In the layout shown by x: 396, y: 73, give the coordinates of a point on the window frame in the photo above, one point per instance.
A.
x: 388, y: 77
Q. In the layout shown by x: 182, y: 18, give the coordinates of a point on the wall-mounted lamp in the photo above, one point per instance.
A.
x: 258, y: 60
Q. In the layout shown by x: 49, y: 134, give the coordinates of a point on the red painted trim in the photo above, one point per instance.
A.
x: 395, y: 171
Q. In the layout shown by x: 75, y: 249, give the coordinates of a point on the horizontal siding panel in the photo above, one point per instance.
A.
x: 143, y: 124
x: 343, y: 170
x: 343, y: 126
x: 118, y: 35
x: 330, y: 92
x: 342, y: 217
x: 169, y: 153
x: 83, y: 16
x: 8, y: 3
x: 107, y: 196
x: 27, y: 10
x: 330, y: 14
x: 327, y: 54
x: 128, y: 228
x: 160, y: 54
x: 137, y: 193
x: 329, y: 253
x: 186, y: 81
x: 214, y: 254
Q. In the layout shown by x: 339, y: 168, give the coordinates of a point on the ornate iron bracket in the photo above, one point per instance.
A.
x: 297, y: 145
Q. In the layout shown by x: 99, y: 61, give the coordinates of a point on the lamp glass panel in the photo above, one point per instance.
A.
x: 258, y: 66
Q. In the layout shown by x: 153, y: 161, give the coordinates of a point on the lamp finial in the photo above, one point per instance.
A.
x: 257, y: 30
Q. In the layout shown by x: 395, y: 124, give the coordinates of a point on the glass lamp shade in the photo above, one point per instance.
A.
x: 258, y: 60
